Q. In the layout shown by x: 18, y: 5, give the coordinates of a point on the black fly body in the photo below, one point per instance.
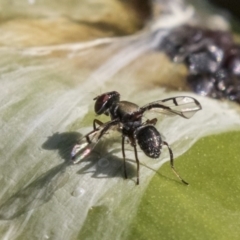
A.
x: 127, y: 117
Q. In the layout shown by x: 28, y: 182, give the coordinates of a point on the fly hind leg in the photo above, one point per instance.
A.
x: 172, y: 162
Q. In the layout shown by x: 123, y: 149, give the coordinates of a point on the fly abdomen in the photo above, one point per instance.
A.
x: 149, y: 140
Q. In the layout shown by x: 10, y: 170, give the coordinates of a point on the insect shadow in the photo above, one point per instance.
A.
x: 34, y: 194
x: 42, y: 189
x: 63, y: 142
x: 102, y: 162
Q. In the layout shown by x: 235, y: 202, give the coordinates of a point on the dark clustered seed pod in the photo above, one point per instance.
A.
x: 212, y: 57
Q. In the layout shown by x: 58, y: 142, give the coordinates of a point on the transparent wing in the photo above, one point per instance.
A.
x: 84, y: 148
x: 89, y: 141
x: 183, y: 106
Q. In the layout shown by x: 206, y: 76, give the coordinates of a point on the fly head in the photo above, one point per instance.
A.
x: 105, y: 101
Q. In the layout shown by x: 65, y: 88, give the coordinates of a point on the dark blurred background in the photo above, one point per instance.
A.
x: 232, y: 6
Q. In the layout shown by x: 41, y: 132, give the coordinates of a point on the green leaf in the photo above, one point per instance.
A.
x: 206, y: 209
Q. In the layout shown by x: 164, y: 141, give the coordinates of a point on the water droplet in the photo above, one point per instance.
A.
x: 103, y: 162
x: 78, y: 192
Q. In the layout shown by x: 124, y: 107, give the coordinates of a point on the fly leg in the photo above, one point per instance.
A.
x: 137, y: 160
x: 90, y: 140
x: 133, y: 143
x: 172, y: 163
x: 124, y: 157
x: 95, y: 122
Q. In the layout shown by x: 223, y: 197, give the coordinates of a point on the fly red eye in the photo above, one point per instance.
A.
x: 100, y: 102
x: 105, y: 101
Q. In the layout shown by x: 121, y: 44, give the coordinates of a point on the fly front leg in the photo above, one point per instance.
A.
x: 95, y: 122
x: 89, y: 141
